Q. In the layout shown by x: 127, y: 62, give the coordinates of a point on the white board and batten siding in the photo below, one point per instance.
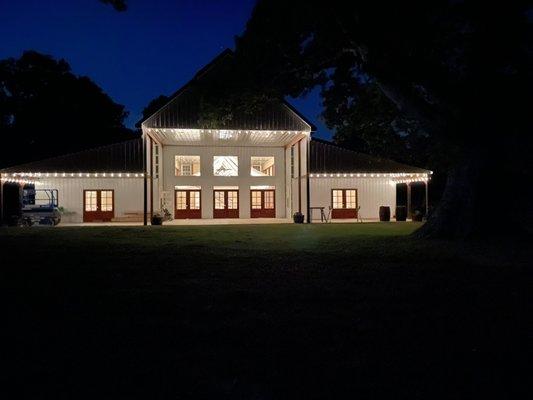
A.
x: 208, y: 181
x: 371, y: 193
x: 128, y: 194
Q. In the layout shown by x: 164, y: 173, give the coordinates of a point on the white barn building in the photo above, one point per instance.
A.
x: 262, y: 166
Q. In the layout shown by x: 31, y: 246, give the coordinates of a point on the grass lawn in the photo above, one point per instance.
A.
x: 263, y: 312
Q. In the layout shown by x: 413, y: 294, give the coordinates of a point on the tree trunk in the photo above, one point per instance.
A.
x: 481, y: 198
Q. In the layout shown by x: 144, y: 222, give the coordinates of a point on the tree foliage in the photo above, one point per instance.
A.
x: 153, y: 106
x: 461, y: 70
x: 119, y: 5
x: 46, y: 110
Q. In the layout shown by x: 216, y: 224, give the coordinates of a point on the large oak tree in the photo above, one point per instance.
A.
x: 461, y: 69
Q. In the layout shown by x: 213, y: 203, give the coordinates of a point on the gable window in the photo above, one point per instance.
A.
x: 225, y: 166
x: 262, y: 166
x: 187, y: 165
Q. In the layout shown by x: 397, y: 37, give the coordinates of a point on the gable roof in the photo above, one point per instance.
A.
x: 183, y: 109
x: 124, y: 156
x: 326, y: 157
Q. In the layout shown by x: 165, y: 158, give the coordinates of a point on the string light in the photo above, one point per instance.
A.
x: 17, y: 175
x: 407, y: 175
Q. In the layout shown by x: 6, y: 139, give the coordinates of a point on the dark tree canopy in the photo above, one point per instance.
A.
x: 153, y: 106
x: 46, y: 110
x: 460, y: 69
x: 119, y: 5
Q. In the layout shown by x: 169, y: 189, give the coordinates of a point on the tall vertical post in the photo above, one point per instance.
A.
x: 300, y: 175
x: 145, y: 188
x: 1, y: 200
x: 408, y: 199
x: 151, y: 178
x: 307, y: 172
x: 427, y: 197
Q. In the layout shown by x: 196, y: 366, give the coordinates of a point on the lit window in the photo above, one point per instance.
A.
x: 262, y: 166
x: 344, y: 198
x: 187, y: 165
x: 256, y: 199
x: 181, y: 200
x: 350, y: 199
x: 194, y: 199
x: 269, y: 199
x: 233, y: 200
x: 219, y: 200
x: 225, y: 166
x: 106, y: 200
x: 90, y: 200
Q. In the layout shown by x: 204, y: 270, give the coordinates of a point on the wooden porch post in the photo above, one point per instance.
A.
x: 408, y: 199
x: 151, y: 180
x: 145, y: 191
x: 1, y: 200
x: 307, y: 172
x: 427, y: 198
x: 300, y: 175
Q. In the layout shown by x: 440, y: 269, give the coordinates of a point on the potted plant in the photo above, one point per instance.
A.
x: 298, y: 217
x: 157, y: 219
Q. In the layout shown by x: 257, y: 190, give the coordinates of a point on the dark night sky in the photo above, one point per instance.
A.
x: 151, y: 49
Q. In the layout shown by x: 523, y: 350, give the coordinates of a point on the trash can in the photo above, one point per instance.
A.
x: 401, y: 213
x: 384, y: 213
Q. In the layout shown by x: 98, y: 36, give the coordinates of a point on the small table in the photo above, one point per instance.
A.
x: 322, y: 214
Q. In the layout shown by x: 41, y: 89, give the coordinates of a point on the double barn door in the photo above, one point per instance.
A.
x: 98, y: 205
x: 263, y: 203
x: 188, y: 204
x: 225, y: 204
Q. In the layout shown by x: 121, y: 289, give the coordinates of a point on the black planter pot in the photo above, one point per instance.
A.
x: 384, y: 213
x: 157, y: 220
x: 401, y: 213
x: 298, y: 218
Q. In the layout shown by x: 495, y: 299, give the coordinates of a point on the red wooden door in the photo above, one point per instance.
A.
x: 344, y: 203
x: 98, y: 205
x: 187, y: 204
x: 225, y: 204
x: 263, y: 203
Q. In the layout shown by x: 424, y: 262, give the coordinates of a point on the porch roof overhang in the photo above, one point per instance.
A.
x: 224, y: 137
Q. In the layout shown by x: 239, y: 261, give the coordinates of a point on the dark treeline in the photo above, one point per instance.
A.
x: 46, y: 110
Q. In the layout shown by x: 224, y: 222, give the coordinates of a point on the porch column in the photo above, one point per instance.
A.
x: 308, y: 186
x: 1, y: 200
x: 408, y: 199
x: 151, y: 178
x: 427, y: 198
x: 300, y: 175
x: 145, y: 183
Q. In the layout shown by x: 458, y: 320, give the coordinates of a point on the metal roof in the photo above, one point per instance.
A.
x: 325, y: 157
x: 119, y: 157
x: 183, y: 109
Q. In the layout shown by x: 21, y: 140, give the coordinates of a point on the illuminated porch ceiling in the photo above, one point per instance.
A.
x: 217, y: 137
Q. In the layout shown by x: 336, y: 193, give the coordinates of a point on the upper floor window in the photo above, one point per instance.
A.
x: 187, y: 166
x: 225, y: 166
x: 262, y: 166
